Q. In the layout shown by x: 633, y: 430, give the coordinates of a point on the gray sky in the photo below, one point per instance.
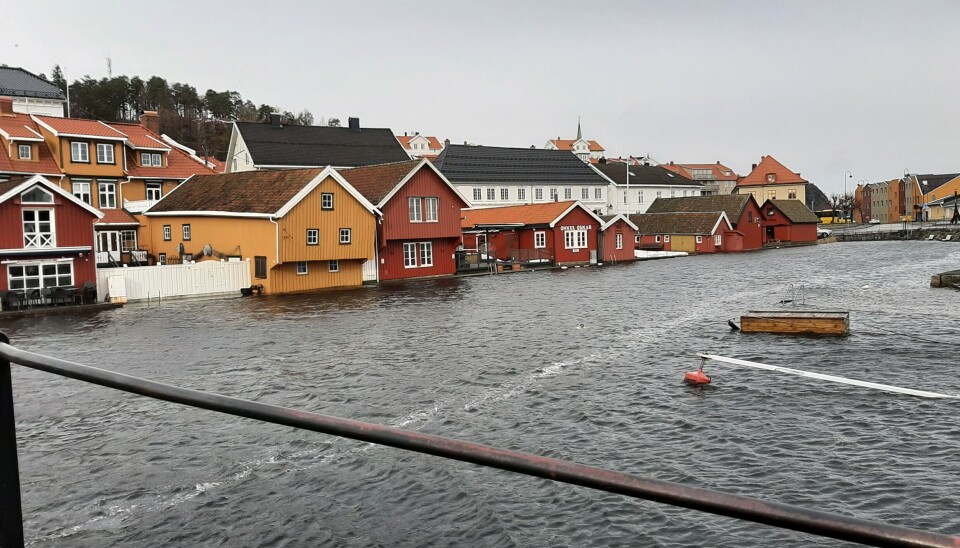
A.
x: 825, y: 87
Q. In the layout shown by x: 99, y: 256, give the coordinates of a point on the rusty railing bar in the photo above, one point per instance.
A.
x: 695, y: 498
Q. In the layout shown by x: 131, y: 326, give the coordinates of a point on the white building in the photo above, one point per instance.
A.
x: 634, y: 187
x: 587, y: 151
x: 30, y: 93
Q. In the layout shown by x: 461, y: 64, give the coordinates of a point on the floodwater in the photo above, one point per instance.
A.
x: 582, y: 364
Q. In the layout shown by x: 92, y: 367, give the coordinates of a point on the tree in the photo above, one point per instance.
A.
x: 57, y: 79
x: 333, y: 122
x: 305, y: 118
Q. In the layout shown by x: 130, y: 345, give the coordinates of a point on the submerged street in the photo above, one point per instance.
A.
x: 584, y: 364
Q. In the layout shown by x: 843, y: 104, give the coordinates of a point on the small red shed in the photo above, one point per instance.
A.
x: 617, y: 236
x: 561, y: 233
x: 789, y: 221
x: 46, y: 236
x: 706, y: 232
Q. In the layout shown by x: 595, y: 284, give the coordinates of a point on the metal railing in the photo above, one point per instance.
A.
x: 736, y: 506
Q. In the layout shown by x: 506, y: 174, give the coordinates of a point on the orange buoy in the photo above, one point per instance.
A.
x: 696, y: 377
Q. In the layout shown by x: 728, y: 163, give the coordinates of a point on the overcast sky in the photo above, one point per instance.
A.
x: 824, y: 87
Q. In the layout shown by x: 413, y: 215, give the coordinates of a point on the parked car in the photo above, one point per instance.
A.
x: 823, y: 232
x: 874, y: 221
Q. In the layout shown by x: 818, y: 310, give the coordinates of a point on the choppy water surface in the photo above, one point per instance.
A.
x: 582, y: 364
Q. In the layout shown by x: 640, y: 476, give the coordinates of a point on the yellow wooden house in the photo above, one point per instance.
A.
x: 300, y: 229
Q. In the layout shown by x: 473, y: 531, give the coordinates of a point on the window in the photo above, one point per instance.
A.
x: 749, y: 216
x: 504, y: 194
x: 658, y: 193
x: 313, y: 236
x: 553, y: 194
x: 684, y: 192
x: 666, y: 238
x: 186, y: 232
x: 699, y: 239
x: 426, y: 253
x: 575, y: 239
x: 36, y: 195
x: 539, y: 239
x: 107, y: 194
x: 567, y: 193
x: 154, y: 191
x: 619, y: 240
x: 301, y: 268
x: 344, y: 235
x: 673, y: 193
x: 491, y: 194
x: 640, y: 197
x: 25, y: 152
x: 432, y: 209
x: 259, y: 267
x: 409, y: 255
x: 81, y: 189
x: 326, y: 200
x: 584, y: 193
x: 157, y: 159
x: 521, y: 194
x: 167, y: 233
x: 656, y: 239
x: 538, y: 194
x: 624, y: 196
x: 105, y: 153
x: 718, y: 240
x: 79, y: 152
x: 162, y: 258
x: 333, y: 266
x: 148, y: 159
x: 38, y: 228
x: 128, y: 240
x: 792, y: 194
x: 772, y: 194
x: 477, y: 194
x: 636, y: 239
x: 37, y: 275
x: 598, y: 194
x: 413, y: 205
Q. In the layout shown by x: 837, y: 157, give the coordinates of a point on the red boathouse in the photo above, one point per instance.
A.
x: 789, y: 222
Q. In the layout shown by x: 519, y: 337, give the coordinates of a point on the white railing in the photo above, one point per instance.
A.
x: 39, y: 239
x: 138, y: 255
x: 138, y: 206
x: 108, y: 256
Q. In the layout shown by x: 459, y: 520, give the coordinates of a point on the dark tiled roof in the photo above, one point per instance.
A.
x: 375, y: 182
x: 17, y: 82
x: 675, y: 223
x: 731, y: 204
x: 473, y: 164
x: 320, y: 145
x: 644, y: 175
x: 796, y: 211
x: 244, y: 192
x: 931, y: 181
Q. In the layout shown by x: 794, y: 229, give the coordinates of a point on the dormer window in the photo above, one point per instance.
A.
x: 36, y: 195
x: 148, y: 159
x: 79, y: 152
x: 771, y: 177
x: 105, y: 153
x: 25, y: 152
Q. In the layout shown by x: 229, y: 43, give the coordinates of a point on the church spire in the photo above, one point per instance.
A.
x: 579, y: 135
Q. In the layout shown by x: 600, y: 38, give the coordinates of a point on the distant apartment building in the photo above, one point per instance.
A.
x: 771, y: 180
x: 717, y: 179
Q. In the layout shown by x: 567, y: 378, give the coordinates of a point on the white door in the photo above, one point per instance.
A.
x: 108, y: 246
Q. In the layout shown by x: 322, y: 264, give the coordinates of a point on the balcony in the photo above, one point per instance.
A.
x: 39, y: 239
x: 138, y: 206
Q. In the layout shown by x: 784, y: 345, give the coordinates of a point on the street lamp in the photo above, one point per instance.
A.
x: 846, y: 175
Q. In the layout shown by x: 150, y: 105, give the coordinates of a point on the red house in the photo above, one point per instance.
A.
x: 617, y: 236
x: 742, y: 211
x: 46, y: 236
x: 705, y: 232
x: 554, y: 232
x: 789, y: 221
x: 420, y: 229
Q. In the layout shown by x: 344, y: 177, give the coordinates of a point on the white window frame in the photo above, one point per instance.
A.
x: 666, y: 238
x: 157, y: 159
x: 105, y: 153
x: 128, y: 236
x: 146, y: 160
x: 538, y: 194
x: 333, y: 266
x: 162, y: 259
x: 108, y: 190
x: 426, y: 254
x: 186, y: 232
x: 584, y: 193
x: 167, y: 233
x: 155, y: 188
x: 409, y: 255
x: 699, y: 239
x: 313, y: 236
x: 79, y: 152
x: 477, y: 194
x: 77, y: 187
x: 302, y: 268
x: 598, y: 194
x: 575, y: 239
x: 415, y: 209
x: 521, y: 194
x: 554, y: 194
x: 718, y: 240
x: 326, y: 201
x: 29, y: 152
x: 346, y: 236
x: 539, y: 239
x: 491, y: 194
x: 59, y: 277
x: 619, y: 240
x: 656, y: 238
x: 504, y: 194
x: 568, y: 193
x: 32, y: 235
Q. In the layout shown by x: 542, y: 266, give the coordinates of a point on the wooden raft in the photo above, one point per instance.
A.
x: 819, y: 322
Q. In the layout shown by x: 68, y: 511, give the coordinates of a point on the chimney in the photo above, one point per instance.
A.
x: 446, y: 142
x: 6, y: 106
x: 404, y: 133
x: 275, y: 119
x: 353, y: 123
x: 753, y: 167
x: 150, y: 120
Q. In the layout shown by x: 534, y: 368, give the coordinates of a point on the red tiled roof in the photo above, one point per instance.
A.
x: 116, y: 217
x: 218, y: 166
x: 432, y: 142
x: 44, y: 163
x: 375, y: 182
x: 18, y: 126
x: 180, y: 165
x: 76, y: 126
x: 567, y: 144
x: 528, y: 214
x: 770, y: 166
x: 140, y: 137
x: 719, y: 170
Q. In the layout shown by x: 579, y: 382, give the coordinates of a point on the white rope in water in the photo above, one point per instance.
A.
x: 832, y: 378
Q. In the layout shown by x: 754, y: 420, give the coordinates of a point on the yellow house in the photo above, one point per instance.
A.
x: 301, y: 229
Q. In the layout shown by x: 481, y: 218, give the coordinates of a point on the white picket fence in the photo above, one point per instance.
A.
x: 166, y: 281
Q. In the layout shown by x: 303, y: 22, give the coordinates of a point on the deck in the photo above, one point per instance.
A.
x: 818, y: 322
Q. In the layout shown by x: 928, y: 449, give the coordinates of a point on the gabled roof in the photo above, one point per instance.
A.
x: 18, y: 127
x: 567, y: 144
x: 769, y: 165
x: 43, y: 164
x: 139, y: 137
x: 180, y: 165
x: 15, y: 186
x: 432, y: 142
x: 75, y: 127
x: 609, y: 220
x: 795, y: 211
x: 263, y: 194
x: 379, y: 183
x: 643, y: 175
x: 931, y: 181
x: 545, y: 214
x: 720, y: 171
x: 731, y: 204
x: 306, y: 146
x: 699, y: 224
x: 480, y: 164
x: 16, y: 82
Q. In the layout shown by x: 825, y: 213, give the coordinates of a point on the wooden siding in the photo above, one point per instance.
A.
x: 444, y: 260
x: 424, y: 183
x: 785, y: 230
x: 576, y: 217
x: 750, y: 227
x: 608, y: 243
x: 84, y: 268
x: 91, y: 168
x: 347, y: 212
x: 286, y: 280
x: 73, y: 224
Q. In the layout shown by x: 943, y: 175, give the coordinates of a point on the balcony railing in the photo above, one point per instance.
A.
x: 736, y: 506
x: 39, y: 239
x: 138, y: 206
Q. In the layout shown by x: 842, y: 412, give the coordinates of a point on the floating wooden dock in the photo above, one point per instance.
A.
x: 812, y: 322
